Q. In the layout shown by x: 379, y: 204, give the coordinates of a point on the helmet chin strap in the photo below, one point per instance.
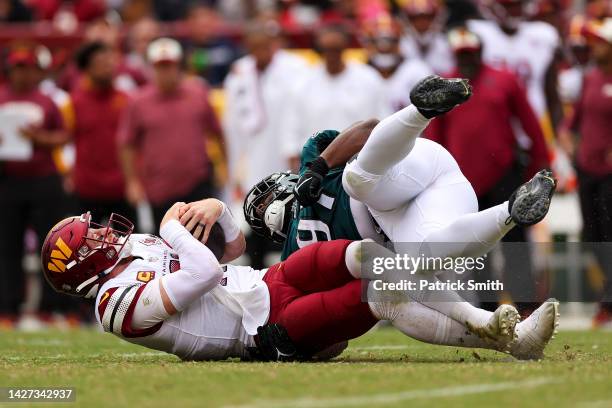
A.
x: 125, y: 252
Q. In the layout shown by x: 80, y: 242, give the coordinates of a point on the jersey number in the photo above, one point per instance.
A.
x: 311, y: 231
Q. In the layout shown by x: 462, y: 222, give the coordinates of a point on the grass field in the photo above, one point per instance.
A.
x: 382, y: 368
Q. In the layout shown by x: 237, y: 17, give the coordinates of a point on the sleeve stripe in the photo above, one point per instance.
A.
x: 126, y: 328
x: 118, y: 304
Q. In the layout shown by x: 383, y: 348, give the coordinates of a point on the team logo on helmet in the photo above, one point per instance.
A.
x: 58, y: 256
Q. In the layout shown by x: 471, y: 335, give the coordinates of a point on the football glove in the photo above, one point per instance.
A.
x: 309, y: 186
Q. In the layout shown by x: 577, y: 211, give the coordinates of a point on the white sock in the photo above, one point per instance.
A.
x: 447, y: 302
x: 422, y: 323
x: 472, y: 234
x: 391, y: 140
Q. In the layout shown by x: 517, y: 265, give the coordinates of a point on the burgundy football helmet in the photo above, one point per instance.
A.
x: 78, y: 252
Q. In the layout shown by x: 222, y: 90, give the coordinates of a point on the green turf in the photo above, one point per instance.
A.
x: 382, y: 368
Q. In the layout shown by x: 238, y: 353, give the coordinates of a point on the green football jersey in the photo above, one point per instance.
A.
x: 328, y: 219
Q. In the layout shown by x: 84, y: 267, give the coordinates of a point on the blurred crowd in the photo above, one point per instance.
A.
x: 141, y: 103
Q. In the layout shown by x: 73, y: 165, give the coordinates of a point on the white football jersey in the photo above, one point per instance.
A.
x: 528, y: 53
x: 219, y: 325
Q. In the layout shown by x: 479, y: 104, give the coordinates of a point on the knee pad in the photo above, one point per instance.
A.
x: 353, y: 257
x: 357, y: 182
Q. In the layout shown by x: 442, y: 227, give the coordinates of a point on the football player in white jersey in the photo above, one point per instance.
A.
x: 171, y: 294
x: 527, y: 48
x: 530, y: 49
x: 424, y: 38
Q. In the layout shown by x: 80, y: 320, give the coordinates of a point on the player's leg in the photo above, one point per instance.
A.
x: 495, y: 325
x: 422, y: 323
x: 445, y: 210
x: 373, y: 178
x: 318, y: 267
x: 370, y: 178
x: 319, y: 320
x: 428, y: 325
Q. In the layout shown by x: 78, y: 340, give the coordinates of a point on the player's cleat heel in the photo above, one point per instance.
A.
x: 535, y: 332
x: 529, y: 204
x: 434, y: 96
x: 500, y: 329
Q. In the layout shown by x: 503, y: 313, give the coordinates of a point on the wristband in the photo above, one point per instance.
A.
x: 318, y: 166
x: 228, y: 224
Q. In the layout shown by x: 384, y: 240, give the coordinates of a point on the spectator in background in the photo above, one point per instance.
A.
x: 424, y: 38
x: 577, y: 54
x: 400, y: 74
x: 334, y: 95
x: 209, y: 54
x: 142, y: 32
x: 97, y: 176
x: 592, y: 122
x: 163, y: 135
x: 30, y: 189
x: 480, y: 136
x: 257, y: 90
x: 529, y: 49
x: 127, y: 78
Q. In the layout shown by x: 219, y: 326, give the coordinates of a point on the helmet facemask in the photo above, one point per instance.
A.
x: 103, y: 245
x: 268, y: 207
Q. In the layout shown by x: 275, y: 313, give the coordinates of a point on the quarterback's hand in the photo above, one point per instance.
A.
x: 172, y: 213
x: 309, y: 186
x: 200, y: 216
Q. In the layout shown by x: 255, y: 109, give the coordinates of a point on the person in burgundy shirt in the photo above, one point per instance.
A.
x: 31, y: 193
x: 98, y: 105
x: 479, y: 134
x: 163, y: 135
x: 592, y: 122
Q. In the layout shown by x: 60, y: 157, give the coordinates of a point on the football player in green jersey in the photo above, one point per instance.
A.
x: 411, y: 187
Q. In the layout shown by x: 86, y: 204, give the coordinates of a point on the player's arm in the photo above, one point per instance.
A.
x: 199, y: 217
x: 136, y: 311
x: 199, y: 273
x: 348, y: 143
x: 337, y: 153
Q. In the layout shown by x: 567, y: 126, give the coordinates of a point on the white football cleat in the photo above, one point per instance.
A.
x: 536, y: 331
x: 500, y: 328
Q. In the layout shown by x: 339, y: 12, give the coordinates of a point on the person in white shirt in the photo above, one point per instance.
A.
x: 424, y: 38
x: 257, y: 90
x: 171, y: 293
x: 335, y: 94
x: 400, y: 74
